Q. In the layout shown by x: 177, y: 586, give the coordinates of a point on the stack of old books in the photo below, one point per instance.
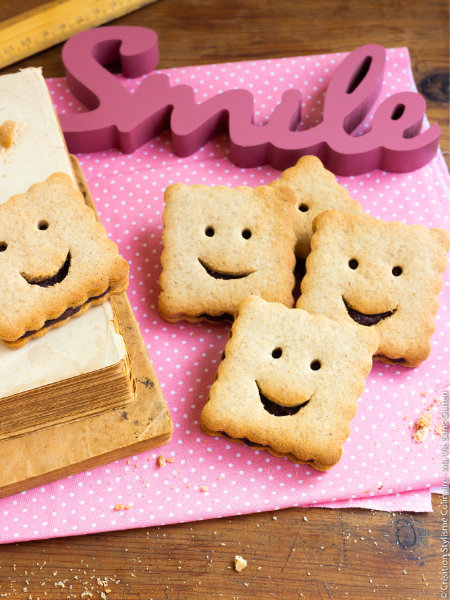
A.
x: 85, y: 393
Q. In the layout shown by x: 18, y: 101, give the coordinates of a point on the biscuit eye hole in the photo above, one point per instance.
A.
x: 396, y: 271
x: 315, y: 365
x: 303, y: 207
x: 209, y: 231
x: 3, y: 246
x: 246, y: 234
x: 353, y: 263
x: 277, y: 353
x: 43, y: 225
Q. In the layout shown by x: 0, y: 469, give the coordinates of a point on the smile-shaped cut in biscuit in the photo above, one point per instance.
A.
x: 221, y: 274
x: 223, y: 244
x: 385, y: 276
x: 316, y: 191
x: 289, y: 382
x: 276, y: 409
x: 365, y: 319
x: 51, y: 280
x: 55, y: 260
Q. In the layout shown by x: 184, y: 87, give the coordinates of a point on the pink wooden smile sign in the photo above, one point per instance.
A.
x: 126, y: 121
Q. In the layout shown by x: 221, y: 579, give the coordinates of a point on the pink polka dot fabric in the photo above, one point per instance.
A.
x: 382, y: 466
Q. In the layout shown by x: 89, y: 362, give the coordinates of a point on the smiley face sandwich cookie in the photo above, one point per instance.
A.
x: 289, y: 382
x: 316, y: 190
x: 222, y: 244
x: 55, y: 260
x: 383, y: 276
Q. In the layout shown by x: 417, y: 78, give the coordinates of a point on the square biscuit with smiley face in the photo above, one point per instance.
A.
x: 222, y: 244
x: 55, y: 260
x: 316, y: 191
x: 384, y: 276
x: 289, y: 382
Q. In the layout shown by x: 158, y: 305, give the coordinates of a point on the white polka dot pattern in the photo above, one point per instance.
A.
x: 212, y: 477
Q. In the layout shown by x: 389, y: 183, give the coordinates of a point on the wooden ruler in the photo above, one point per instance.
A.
x: 55, y: 22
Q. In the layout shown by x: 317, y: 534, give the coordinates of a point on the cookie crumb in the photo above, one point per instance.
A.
x: 422, y: 427
x: 161, y: 460
x: 204, y: 488
x: 118, y: 507
x: 9, y: 131
x: 423, y: 421
x: 239, y: 563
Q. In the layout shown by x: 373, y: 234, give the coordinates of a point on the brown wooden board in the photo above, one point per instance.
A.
x: 141, y: 423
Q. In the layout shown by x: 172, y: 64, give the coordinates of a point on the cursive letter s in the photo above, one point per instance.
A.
x: 109, y: 102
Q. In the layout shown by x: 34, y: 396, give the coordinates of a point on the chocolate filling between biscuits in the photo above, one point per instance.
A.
x: 217, y: 318
x: 365, y: 319
x: 272, y: 408
x: 58, y: 277
x: 222, y: 274
x: 392, y: 360
x: 276, y: 409
x: 69, y: 312
x: 246, y: 441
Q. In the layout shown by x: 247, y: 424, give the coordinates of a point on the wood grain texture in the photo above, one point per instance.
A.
x: 55, y: 22
x: 335, y: 554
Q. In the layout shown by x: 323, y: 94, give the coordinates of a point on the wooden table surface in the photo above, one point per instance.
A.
x: 299, y: 553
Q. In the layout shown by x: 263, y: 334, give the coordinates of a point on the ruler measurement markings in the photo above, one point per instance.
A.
x: 54, y: 22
